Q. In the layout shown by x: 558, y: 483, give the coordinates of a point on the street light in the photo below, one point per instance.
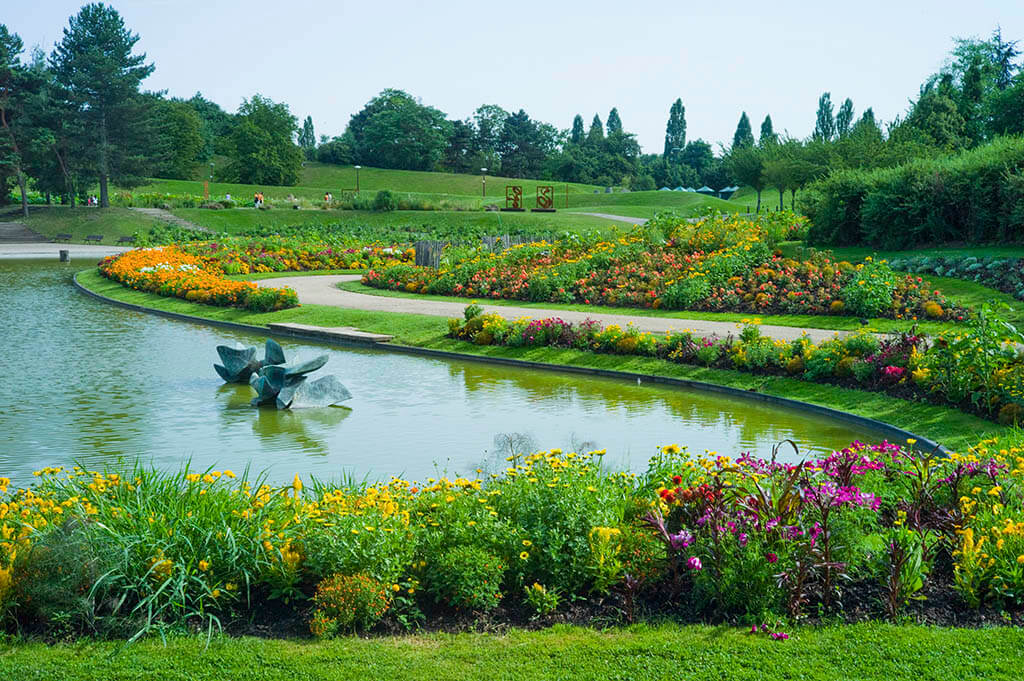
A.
x: 357, y: 178
x: 483, y: 181
x: 211, y: 171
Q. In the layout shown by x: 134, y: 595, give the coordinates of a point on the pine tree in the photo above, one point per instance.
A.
x: 1004, y: 52
x: 94, y: 62
x: 577, y: 130
x: 768, y: 135
x: 844, y: 119
x: 825, y: 125
x: 596, y: 132
x: 675, y: 130
x: 614, y: 122
x: 744, y: 136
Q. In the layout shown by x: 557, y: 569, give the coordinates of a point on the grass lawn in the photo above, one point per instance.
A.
x: 862, y: 652
x: 238, y: 219
x: 858, y: 253
x: 681, y: 202
x: 317, y: 178
x: 78, y: 222
x: 948, y: 426
x: 841, y: 323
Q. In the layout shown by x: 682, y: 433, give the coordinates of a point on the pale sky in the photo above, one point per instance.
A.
x: 328, y: 58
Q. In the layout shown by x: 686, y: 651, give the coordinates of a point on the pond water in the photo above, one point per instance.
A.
x: 88, y: 382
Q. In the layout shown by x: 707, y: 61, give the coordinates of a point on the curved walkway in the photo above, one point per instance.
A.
x: 323, y: 290
x: 46, y: 249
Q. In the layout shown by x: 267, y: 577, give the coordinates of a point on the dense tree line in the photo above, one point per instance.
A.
x: 77, y: 118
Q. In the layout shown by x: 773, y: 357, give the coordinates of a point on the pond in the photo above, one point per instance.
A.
x: 96, y: 384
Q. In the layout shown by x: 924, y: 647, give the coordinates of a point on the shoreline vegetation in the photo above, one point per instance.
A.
x: 949, y: 426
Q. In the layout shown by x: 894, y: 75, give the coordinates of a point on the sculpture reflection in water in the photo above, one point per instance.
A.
x: 276, y: 381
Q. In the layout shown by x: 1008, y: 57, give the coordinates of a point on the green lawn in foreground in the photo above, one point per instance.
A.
x: 948, y: 426
x: 861, y: 652
x: 80, y: 221
x: 239, y: 219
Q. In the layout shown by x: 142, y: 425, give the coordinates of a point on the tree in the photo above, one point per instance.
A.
x: 844, y: 118
x: 675, y: 129
x: 768, y: 136
x: 825, y: 123
x: 394, y: 130
x: 214, y: 126
x: 934, y: 120
x: 524, y: 145
x: 746, y: 165
x: 576, y: 137
x: 179, y: 141
x: 307, y: 138
x: 458, y: 155
x: 335, y: 151
x: 596, y: 132
x: 744, y: 136
x: 262, y: 148
x: 614, y: 122
x: 1003, y: 54
x: 94, y: 62
x: 12, y: 113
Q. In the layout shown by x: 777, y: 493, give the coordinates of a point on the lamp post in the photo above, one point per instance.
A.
x: 357, y: 178
x: 483, y: 181
x: 211, y: 171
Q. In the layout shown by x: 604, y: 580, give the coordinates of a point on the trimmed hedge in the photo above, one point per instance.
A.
x: 973, y: 197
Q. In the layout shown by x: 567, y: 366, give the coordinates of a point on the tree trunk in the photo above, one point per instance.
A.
x: 103, y: 167
x: 781, y: 190
x: 24, y: 198
x: 49, y: 199
x: 758, y: 209
x: 792, y: 199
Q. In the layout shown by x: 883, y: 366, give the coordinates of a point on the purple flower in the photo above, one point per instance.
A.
x: 771, y: 557
x: 741, y: 538
x: 779, y: 636
x: 694, y: 563
x: 680, y: 541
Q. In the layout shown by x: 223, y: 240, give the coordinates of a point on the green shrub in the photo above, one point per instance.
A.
x: 685, y: 294
x: 869, y: 293
x: 348, y: 602
x: 466, y: 577
x: 976, y: 196
x: 385, y: 201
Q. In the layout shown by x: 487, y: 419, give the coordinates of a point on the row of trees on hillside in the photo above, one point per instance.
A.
x: 77, y: 118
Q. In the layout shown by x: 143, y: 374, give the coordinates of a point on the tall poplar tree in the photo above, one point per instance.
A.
x: 768, y: 135
x: 744, y: 135
x: 844, y: 118
x: 577, y: 135
x: 675, y: 130
x: 596, y: 132
x: 825, y: 125
x: 95, y: 64
x: 614, y: 122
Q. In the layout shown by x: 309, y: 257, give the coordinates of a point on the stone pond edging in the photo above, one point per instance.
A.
x: 895, y: 433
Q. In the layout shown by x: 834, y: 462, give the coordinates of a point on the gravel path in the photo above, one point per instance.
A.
x: 168, y: 216
x: 323, y: 290
x: 617, y: 218
x: 28, y: 251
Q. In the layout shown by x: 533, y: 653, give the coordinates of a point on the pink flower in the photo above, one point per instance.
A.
x: 694, y: 563
x: 771, y: 557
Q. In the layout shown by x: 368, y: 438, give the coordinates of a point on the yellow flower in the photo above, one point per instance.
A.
x: 1020, y: 559
x: 216, y: 593
x: 204, y: 565
x: 524, y: 555
x: 297, y: 484
x: 527, y: 543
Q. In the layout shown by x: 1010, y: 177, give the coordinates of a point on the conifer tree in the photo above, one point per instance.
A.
x: 95, y: 64
x: 576, y: 137
x: 825, y: 125
x: 596, y: 132
x: 744, y: 136
x: 675, y: 130
x: 844, y: 118
x: 614, y: 122
x: 768, y: 135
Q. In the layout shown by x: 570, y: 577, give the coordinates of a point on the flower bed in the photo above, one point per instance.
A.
x: 977, y: 369
x: 171, y: 271
x: 861, y: 533
x: 242, y: 255
x: 717, y: 264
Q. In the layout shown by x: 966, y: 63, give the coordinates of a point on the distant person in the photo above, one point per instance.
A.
x: 256, y: 200
x: 227, y: 197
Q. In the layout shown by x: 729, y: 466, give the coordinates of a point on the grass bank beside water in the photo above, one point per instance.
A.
x: 952, y: 428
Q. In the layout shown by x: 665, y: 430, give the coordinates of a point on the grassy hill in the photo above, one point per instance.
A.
x: 646, y: 204
x: 78, y: 222
x: 318, y: 178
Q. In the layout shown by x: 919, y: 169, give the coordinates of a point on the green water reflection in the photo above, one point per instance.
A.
x: 94, y: 383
